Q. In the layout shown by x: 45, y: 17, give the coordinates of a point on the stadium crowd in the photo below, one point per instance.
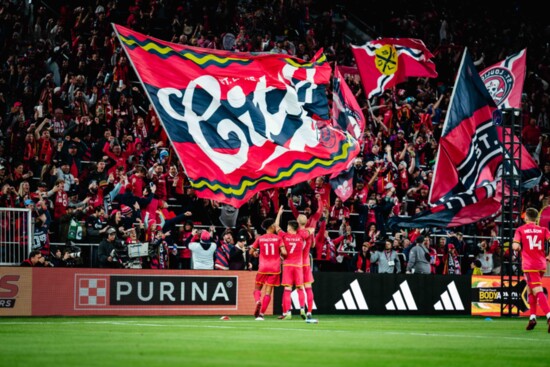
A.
x: 82, y: 147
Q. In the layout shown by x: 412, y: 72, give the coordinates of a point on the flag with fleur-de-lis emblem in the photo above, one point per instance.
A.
x: 386, y: 62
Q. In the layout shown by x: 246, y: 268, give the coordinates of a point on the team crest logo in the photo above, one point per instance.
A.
x: 386, y: 59
x: 499, y: 83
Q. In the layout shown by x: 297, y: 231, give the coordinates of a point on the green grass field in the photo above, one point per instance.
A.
x: 241, y: 341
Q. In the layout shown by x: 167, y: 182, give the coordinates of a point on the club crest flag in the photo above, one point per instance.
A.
x: 386, y: 62
x: 504, y: 80
x: 240, y: 122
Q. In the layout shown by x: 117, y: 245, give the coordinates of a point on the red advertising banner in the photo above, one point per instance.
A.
x: 72, y: 292
x: 15, y: 291
x: 487, y: 295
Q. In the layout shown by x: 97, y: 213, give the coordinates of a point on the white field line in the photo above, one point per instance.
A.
x: 313, y: 328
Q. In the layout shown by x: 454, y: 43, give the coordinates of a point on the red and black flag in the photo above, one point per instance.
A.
x: 240, y: 122
x: 466, y: 184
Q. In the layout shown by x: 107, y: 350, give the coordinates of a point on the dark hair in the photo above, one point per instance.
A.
x: 293, y: 224
x: 268, y: 222
x: 477, y: 263
x: 33, y: 253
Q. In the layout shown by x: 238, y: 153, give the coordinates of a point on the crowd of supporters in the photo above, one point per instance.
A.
x: 82, y: 147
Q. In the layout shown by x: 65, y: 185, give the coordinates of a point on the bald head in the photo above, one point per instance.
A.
x: 302, y: 220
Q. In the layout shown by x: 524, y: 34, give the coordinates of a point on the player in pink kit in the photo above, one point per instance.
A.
x: 292, y: 264
x: 307, y: 233
x: 530, y: 239
x: 269, y: 247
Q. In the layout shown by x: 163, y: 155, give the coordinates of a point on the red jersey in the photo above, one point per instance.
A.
x: 309, y: 242
x: 270, y: 256
x: 60, y: 204
x: 531, y: 238
x: 294, y: 244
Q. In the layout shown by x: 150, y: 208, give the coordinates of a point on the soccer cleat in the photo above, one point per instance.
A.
x: 531, y: 325
x: 257, y: 310
x: 286, y: 316
x: 260, y: 318
x: 302, y: 313
x: 308, y: 316
x: 312, y: 321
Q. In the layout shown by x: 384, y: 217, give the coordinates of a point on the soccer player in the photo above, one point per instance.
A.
x: 307, y: 233
x: 529, y: 239
x: 292, y: 265
x: 269, y: 247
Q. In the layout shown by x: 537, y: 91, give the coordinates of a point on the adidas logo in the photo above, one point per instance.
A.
x: 450, y: 300
x: 296, y: 300
x: 348, y: 303
x: 402, y: 300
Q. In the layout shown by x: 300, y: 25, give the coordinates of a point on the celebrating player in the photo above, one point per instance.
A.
x: 307, y: 233
x: 292, y: 265
x: 269, y: 247
x: 529, y: 238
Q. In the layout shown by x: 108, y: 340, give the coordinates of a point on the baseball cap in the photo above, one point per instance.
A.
x: 205, y: 236
x: 242, y: 238
x: 400, y: 131
x: 42, y: 184
x: 111, y: 230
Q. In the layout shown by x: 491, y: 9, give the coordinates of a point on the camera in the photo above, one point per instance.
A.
x: 74, y: 255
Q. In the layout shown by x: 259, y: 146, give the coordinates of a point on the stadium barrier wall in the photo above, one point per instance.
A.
x: 72, y: 292
x: 388, y: 294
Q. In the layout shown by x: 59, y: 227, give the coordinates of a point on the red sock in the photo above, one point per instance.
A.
x: 265, y: 303
x: 532, y: 304
x: 301, y: 298
x: 309, y: 294
x: 543, y: 302
x: 286, y: 301
x: 257, y: 295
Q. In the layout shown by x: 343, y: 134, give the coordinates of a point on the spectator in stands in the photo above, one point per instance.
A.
x: 386, y: 258
x: 202, y: 252
x: 35, y: 259
x: 419, y: 258
x: 238, y: 256
x: 107, y: 249
x: 361, y: 260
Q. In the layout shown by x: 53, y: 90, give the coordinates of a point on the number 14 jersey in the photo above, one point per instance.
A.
x: 531, y: 237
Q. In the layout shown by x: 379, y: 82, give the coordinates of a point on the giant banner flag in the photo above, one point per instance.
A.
x: 504, y: 80
x: 239, y: 122
x: 466, y: 184
x: 346, y: 116
x: 386, y: 62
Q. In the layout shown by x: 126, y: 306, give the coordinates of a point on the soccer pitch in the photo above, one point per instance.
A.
x: 241, y: 341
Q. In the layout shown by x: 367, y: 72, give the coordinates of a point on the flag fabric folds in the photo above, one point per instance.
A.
x: 504, y: 80
x: 239, y: 122
x: 346, y: 116
x: 386, y: 62
x: 466, y: 183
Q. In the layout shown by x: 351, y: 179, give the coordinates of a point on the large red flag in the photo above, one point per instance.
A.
x: 386, y: 62
x: 239, y: 122
x: 466, y: 183
x: 504, y: 80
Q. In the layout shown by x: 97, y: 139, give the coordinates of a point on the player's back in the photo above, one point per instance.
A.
x: 531, y: 238
x: 270, y: 256
x: 308, y: 238
x: 294, y: 244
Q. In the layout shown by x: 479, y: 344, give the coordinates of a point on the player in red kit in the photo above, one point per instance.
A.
x: 530, y: 239
x: 307, y: 233
x: 292, y: 265
x: 269, y: 247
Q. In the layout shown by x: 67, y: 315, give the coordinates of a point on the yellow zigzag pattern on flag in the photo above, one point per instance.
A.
x: 250, y: 183
x: 165, y: 50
